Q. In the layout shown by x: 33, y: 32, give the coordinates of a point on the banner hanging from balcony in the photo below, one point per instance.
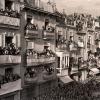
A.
x: 80, y: 44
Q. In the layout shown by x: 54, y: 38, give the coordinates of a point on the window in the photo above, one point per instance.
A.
x: 71, y: 38
x: 8, y: 40
x: 8, y: 71
x: 58, y: 62
x: 46, y: 23
x: 8, y: 4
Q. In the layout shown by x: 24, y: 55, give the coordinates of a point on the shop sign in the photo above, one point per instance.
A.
x: 9, y: 20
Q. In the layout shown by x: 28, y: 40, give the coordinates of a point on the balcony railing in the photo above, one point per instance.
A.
x: 9, y: 18
x: 32, y: 31
x: 48, y: 32
x: 10, y: 59
x: 10, y: 87
x: 37, y: 61
x: 10, y: 54
x: 40, y: 5
x: 32, y: 80
x: 47, y: 76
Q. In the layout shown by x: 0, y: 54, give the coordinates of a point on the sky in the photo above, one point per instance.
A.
x: 81, y: 6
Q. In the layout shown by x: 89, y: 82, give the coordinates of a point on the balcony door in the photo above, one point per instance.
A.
x: 8, y: 4
x: 8, y: 40
x: 8, y: 71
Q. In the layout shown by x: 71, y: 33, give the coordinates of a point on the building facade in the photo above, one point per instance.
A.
x: 10, y: 58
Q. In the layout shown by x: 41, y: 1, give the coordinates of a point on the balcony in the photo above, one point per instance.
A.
x: 72, y: 47
x: 32, y: 31
x: 45, y: 7
x: 90, y: 26
x: 49, y: 33
x: 10, y: 87
x: 48, y: 76
x: 29, y: 80
x: 71, y: 25
x: 10, y: 55
x: 31, y: 61
x: 10, y: 59
x: 81, y: 32
x: 10, y: 18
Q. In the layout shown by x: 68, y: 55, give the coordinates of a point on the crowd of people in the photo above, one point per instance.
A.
x: 10, y: 50
x: 72, y: 91
x: 36, y: 54
x: 31, y: 26
x: 9, y: 12
x: 9, y: 77
x: 79, y: 20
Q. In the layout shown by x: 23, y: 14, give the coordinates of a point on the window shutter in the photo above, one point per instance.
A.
x: 2, y: 4
x: 3, y: 41
x: 0, y: 40
x: 18, y: 41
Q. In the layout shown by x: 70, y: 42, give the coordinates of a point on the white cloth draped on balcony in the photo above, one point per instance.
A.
x: 66, y: 79
x: 72, y: 47
x: 80, y: 44
x: 94, y: 71
x: 9, y: 59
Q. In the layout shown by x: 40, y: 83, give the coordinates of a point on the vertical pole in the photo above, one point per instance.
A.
x: 23, y: 46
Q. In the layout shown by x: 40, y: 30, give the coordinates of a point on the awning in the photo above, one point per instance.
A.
x: 95, y: 70
x: 65, y: 79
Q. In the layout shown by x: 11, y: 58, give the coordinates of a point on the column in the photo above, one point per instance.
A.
x: 23, y: 46
x: 18, y: 41
x: 3, y: 39
x: 14, y: 40
x: 0, y: 40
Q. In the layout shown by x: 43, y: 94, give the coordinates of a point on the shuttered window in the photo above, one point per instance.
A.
x: 2, y: 4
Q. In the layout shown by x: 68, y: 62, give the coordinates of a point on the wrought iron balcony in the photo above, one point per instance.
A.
x: 81, y: 32
x: 32, y: 31
x: 31, y: 61
x: 32, y: 80
x: 49, y: 33
x: 49, y: 76
x: 10, y: 54
x: 9, y: 18
x: 10, y: 87
x: 10, y: 59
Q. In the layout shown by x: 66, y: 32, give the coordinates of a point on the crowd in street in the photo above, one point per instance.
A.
x: 73, y: 91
